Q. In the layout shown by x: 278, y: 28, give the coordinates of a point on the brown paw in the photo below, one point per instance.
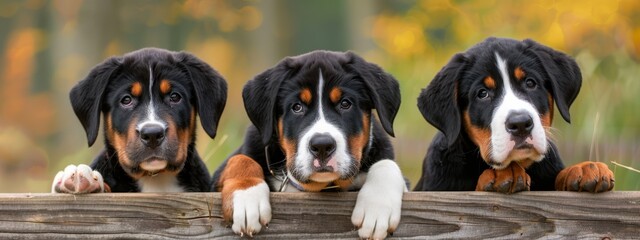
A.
x: 79, y: 179
x: 511, y: 179
x: 585, y: 177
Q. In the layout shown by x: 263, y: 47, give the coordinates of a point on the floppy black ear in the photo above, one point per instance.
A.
x: 210, y: 89
x: 86, y: 96
x: 382, y: 87
x: 260, y: 96
x: 438, y: 103
x: 563, y: 73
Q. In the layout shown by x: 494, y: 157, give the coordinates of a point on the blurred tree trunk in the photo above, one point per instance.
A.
x: 76, y: 50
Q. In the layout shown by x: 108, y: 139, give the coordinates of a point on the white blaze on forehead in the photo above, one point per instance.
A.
x: 151, y: 117
x: 304, y: 158
x: 501, y: 143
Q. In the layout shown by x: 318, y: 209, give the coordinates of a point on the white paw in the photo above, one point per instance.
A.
x: 251, y: 209
x: 78, y: 180
x: 379, y: 203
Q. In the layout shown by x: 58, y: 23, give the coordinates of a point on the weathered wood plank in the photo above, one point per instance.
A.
x: 614, y: 215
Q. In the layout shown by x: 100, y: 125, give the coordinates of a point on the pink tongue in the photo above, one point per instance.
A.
x: 316, y: 163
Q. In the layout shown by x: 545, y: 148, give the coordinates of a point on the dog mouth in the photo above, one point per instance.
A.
x: 324, y: 166
x: 154, y: 165
x: 324, y: 177
x: 522, y: 145
x: 319, y: 171
x: 521, y: 152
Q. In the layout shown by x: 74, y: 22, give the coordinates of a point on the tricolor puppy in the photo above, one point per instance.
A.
x: 494, y: 105
x: 313, y: 130
x: 149, y: 100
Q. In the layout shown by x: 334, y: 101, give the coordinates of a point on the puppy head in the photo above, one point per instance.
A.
x: 149, y: 99
x: 502, y: 93
x: 318, y: 107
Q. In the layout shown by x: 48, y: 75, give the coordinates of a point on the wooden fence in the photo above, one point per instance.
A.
x: 614, y: 215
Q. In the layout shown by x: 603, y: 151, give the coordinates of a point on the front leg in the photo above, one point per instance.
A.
x: 379, y: 203
x: 245, y: 195
x: 79, y: 179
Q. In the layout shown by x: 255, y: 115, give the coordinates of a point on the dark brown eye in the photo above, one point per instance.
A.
x: 175, y: 97
x: 126, y: 101
x: 530, y: 83
x: 296, y: 108
x: 482, y: 94
x: 345, y: 104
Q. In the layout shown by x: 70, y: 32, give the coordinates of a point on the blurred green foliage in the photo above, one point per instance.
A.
x: 47, y: 46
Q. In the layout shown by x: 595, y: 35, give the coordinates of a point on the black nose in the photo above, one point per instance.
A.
x: 152, y: 135
x: 519, y: 124
x: 322, y: 146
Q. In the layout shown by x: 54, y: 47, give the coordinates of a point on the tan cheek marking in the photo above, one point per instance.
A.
x: 335, y: 95
x: 305, y: 96
x: 136, y: 89
x: 165, y: 86
x: 288, y: 145
x: 490, y: 82
x: 121, y: 141
x: 480, y: 136
x: 547, y: 118
x: 519, y: 73
x: 182, y: 136
x: 357, y: 142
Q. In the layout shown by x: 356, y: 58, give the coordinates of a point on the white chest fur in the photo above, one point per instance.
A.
x: 159, y: 183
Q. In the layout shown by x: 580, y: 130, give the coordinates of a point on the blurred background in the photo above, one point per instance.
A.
x: 47, y: 46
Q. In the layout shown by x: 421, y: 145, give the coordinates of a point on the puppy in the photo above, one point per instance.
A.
x: 149, y: 100
x: 494, y: 105
x: 313, y: 130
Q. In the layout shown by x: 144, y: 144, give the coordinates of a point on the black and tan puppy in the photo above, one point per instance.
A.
x: 494, y: 105
x: 313, y: 130
x: 149, y: 100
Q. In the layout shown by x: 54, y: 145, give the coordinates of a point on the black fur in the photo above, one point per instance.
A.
x: 453, y: 162
x: 200, y: 87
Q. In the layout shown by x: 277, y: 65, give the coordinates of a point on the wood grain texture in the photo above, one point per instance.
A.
x: 614, y: 215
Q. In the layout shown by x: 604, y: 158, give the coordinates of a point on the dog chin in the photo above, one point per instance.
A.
x: 525, y: 157
x: 324, y: 177
x: 154, y: 165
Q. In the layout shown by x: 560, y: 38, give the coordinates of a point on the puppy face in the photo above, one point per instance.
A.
x: 502, y: 93
x: 324, y: 124
x: 150, y: 116
x: 318, y: 108
x: 149, y: 99
x: 508, y: 109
